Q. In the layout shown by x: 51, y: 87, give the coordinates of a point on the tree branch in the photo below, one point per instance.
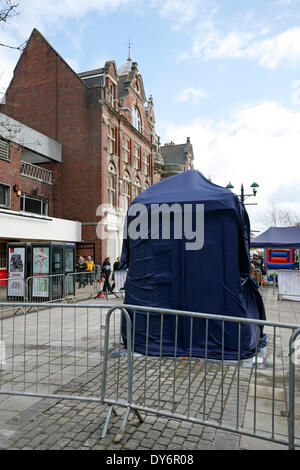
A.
x: 7, y: 10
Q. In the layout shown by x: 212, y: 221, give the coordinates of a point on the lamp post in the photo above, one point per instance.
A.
x: 244, y: 196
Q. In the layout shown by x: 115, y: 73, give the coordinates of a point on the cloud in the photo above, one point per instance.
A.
x: 45, y: 15
x: 182, y: 15
x: 8, y: 60
x: 191, y: 95
x: 270, y: 52
x: 256, y: 143
x: 273, y: 52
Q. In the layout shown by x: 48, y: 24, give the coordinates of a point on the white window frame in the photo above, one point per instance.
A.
x: 111, y: 185
x: 137, y: 157
x: 111, y: 139
x: 126, y: 190
x: 136, y: 119
x: 44, y: 204
x: 112, y: 94
x: 146, y: 163
x: 137, y: 187
x: 126, y: 150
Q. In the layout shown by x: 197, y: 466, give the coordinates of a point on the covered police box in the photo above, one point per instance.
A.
x: 199, y: 263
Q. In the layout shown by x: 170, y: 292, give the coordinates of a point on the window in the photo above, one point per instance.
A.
x: 36, y: 205
x: 4, y: 150
x: 111, y: 139
x: 126, y: 150
x: 137, y: 157
x: 112, y: 95
x: 137, y: 187
x: 3, y: 255
x: 4, y: 195
x: 111, y: 92
x: 126, y: 192
x: 146, y: 185
x: 111, y: 185
x: 146, y: 163
x: 136, y: 119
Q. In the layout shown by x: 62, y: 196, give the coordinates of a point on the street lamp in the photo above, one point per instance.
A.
x: 244, y: 196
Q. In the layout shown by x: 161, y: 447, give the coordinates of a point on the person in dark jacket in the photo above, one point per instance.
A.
x: 106, y: 271
x: 116, y: 267
x: 81, y: 268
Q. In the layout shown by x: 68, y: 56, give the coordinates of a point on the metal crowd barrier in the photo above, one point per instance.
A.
x: 80, y: 285
x: 56, y: 353
x: 45, y: 288
x: 119, y: 279
x: 49, y: 288
x: 12, y: 290
x: 289, y: 284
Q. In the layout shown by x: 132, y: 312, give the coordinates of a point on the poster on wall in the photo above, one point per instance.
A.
x: 40, y: 287
x: 16, y: 270
x: 69, y: 258
x: 40, y: 268
x: 40, y: 256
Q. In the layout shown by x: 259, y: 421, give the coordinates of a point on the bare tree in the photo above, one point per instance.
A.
x: 9, y: 129
x: 279, y: 217
x: 8, y: 9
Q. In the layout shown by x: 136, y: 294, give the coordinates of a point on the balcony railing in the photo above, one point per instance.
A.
x: 36, y: 172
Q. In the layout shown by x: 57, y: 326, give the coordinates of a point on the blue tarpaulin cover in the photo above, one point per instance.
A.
x: 278, y: 237
x: 215, y: 279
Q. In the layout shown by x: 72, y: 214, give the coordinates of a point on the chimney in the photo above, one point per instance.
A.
x: 188, y: 140
x: 169, y: 144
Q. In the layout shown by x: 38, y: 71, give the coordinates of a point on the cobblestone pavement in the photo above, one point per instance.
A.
x: 194, y: 388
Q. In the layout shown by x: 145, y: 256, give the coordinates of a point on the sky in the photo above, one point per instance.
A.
x: 225, y: 73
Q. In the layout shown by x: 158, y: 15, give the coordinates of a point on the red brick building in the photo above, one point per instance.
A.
x: 27, y: 189
x: 106, y: 126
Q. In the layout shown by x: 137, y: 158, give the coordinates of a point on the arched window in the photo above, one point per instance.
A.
x: 111, y: 184
x: 136, y: 119
x: 137, y: 187
x: 126, y: 190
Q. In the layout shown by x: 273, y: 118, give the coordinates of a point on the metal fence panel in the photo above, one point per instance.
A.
x: 76, y: 351
x: 61, y: 352
x: 289, y: 285
x: 81, y: 285
x: 45, y: 288
x: 212, y: 392
x: 12, y: 290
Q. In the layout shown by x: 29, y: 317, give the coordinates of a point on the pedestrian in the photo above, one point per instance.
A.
x: 116, y: 267
x: 106, y: 271
x: 90, y: 270
x: 258, y: 262
x: 81, y: 268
